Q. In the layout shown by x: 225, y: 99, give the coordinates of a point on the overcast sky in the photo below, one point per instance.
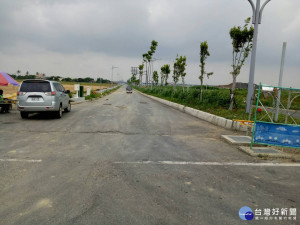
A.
x: 73, y: 38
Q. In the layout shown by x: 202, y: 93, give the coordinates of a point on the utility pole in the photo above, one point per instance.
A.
x: 112, y: 74
x: 256, y: 19
x: 280, y: 81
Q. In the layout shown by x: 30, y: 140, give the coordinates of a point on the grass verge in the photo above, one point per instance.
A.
x: 215, y: 101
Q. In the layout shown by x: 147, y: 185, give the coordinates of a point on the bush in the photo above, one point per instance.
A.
x: 95, y: 94
x: 88, y: 97
x: 216, y: 98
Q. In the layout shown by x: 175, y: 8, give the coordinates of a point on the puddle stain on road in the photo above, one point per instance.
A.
x: 44, y: 203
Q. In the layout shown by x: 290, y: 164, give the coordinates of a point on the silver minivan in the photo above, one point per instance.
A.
x: 42, y: 96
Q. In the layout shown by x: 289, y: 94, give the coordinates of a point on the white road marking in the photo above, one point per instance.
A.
x: 21, y: 160
x: 213, y: 163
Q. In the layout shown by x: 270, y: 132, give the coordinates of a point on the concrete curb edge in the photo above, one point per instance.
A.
x: 216, y: 120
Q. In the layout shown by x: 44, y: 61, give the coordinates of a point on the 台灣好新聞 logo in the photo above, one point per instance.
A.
x: 246, y: 213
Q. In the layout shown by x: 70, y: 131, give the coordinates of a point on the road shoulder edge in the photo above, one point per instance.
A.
x: 216, y: 120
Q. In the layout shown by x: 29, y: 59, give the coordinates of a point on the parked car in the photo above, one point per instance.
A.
x: 42, y: 96
x: 129, y: 89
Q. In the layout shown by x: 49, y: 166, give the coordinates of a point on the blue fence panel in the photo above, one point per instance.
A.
x: 277, y: 134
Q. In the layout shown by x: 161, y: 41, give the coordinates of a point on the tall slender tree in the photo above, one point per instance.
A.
x: 242, y: 45
x: 181, y: 66
x: 204, y: 53
x: 165, y: 69
x: 147, y: 57
x: 155, y: 77
x: 141, y: 68
x: 176, y: 74
x: 151, y: 53
x: 162, y: 78
x: 179, y: 70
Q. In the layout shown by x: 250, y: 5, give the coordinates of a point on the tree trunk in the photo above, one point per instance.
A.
x: 232, y: 92
x: 146, y: 74
x: 150, y: 75
x: 201, y: 87
x: 182, y: 84
x: 140, y: 81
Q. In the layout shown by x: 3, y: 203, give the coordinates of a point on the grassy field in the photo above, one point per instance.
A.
x: 216, y: 101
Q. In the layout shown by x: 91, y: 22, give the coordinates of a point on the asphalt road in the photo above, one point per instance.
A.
x: 126, y: 159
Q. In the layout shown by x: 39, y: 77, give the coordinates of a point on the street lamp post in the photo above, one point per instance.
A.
x: 112, y: 74
x: 256, y: 19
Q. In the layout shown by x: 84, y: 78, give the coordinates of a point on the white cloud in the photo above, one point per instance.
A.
x: 281, y: 129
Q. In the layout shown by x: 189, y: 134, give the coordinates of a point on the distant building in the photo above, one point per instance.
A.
x: 40, y: 76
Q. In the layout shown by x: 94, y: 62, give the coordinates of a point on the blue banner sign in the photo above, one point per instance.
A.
x: 277, y: 134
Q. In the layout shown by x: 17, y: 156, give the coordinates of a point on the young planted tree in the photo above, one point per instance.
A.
x: 242, y: 45
x: 147, y: 57
x: 181, y: 67
x: 155, y: 77
x: 141, y: 68
x: 162, y: 79
x: 151, y: 53
x: 179, y: 70
x: 133, y: 80
x: 204, y: 53
x: 175, y: 73
x: 165, y: 70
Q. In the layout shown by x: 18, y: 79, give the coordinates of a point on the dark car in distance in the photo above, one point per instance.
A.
x: 129, y: 89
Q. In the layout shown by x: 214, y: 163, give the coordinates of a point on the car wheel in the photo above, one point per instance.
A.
x: 68, y: 109
x: 59, y: 113
x: 24, y: 115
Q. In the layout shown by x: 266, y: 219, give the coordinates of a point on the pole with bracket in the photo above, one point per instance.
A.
x: 112, y: 74
x: 256, y: 19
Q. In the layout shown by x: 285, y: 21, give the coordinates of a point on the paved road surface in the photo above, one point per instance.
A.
x: 126, y: 159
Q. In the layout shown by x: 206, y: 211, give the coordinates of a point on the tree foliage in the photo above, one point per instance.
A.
x: 141, y: 68
x: 147, y: 57
x: 204, y: 53
x: 176, y: 74
x: 179, y: 70
x: 155, y: 77
x: 242, y: 45
x: 165, y: 71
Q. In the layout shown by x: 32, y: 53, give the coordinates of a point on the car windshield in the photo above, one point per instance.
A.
x: 33, y: 86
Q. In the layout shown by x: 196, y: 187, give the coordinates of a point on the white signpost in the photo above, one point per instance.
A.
x: 76, y: 88
x: 88, y: 90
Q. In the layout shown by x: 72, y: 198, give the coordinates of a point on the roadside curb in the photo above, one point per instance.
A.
x: 93, y: 99
x: 76, y: 103
x: 216, y: 120
x: 276, y: 155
